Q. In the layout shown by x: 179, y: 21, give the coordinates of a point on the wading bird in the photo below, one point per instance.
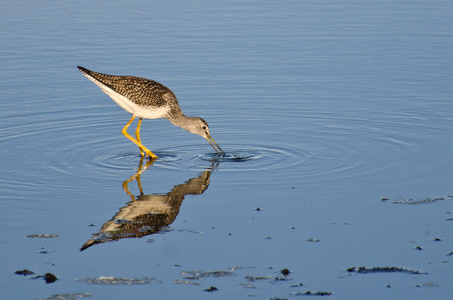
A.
x: 148, y: 99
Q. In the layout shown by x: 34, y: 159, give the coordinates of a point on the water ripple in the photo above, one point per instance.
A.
x: 237, y: 158
x: 320, y: 147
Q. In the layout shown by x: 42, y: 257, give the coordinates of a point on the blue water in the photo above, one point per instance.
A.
x: 323, y: 108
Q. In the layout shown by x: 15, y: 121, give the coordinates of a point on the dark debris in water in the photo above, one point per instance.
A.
x: 24, y: 272
x: 285, y: 272
x: 296, y: 285
x: 185, y: 282
x: 48, y: 277
x: 282, y: 278
x: 310, y: 240
x: 211, y: 289
x: 312, y: 293
x: 428, y: 284
x: 43, y: 251
x: 247, y: 285
x: 365, y: 270
x: 201, y: 274
x: 410, y: 201
x: 118, y: 280
x: 69, y: 296
x: 45, y: 236
x: 255, y: 278
x: 253, y: 282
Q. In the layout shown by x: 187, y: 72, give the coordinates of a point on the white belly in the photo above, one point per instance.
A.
x: 129, y: 106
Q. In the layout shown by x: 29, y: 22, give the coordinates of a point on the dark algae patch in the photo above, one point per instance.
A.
x: 196, y: 274
x: 428, y: 284
x: 255, y: 278
x: 285, y: 272
x: 365, y: 270
x: 48, y: 277
x: 118, y: 280
x: 24, y: 272
x: 312, y: 293
x: 211, y: 289
x: 410, y: 201
x: 310, y: 240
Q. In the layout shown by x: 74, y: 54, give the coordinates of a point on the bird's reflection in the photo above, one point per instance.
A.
x: 147, y: 214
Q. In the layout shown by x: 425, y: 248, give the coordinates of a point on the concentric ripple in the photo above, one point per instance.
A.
x: 188, y: 157
x: 243, y: 158
x: 321, y: 147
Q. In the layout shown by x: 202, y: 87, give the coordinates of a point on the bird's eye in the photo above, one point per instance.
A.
x: 204, y: 127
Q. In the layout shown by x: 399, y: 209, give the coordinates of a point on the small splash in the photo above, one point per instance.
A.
x: 243, y: 158
x: 188, y: 157
x: 240, y: 156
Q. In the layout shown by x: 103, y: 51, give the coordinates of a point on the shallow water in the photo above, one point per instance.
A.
x: 323, y: 109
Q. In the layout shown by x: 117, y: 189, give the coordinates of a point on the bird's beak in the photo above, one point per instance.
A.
x: 214, y: 145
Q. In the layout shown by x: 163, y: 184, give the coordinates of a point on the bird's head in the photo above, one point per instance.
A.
x: 199, y: 126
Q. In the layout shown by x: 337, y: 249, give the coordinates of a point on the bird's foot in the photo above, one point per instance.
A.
x: 151, y: 156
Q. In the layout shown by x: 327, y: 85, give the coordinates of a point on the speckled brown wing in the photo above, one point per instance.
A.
x: 141, y: 91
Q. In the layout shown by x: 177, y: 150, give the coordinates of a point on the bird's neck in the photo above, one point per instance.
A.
x: 181, y: 120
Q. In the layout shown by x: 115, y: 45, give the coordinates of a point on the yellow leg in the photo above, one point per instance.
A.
x: 137, y: 135
x: 124, y: 131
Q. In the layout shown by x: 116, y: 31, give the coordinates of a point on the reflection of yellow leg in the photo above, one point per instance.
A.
x: 137, y: 135
x: 124, y: 131
x: 136, y: 176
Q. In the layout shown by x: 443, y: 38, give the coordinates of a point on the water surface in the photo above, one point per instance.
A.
x: 323, y: 109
